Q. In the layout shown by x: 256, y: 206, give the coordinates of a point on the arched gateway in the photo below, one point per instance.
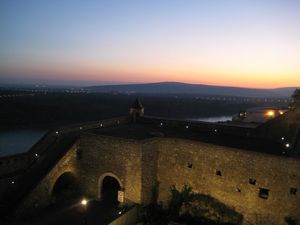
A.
x: 66, y: 187
x: 109, y: 185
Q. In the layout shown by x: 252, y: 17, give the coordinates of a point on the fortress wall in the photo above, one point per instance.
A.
x: 41, y: 195
x: 277, y: 174
x: 149, y: 168
x: 117, y: 156
x: 11, y: 165
x: 95, y: 124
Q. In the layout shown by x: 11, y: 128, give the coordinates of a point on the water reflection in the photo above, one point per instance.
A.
x: 18, y: 141
x: 213, y: 119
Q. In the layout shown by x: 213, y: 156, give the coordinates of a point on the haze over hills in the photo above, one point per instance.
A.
x: 185, y: 88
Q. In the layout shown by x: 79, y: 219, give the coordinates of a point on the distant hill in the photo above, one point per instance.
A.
x: 184, y: 88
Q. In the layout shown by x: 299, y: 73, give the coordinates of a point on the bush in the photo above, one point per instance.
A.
x: 187, y: 206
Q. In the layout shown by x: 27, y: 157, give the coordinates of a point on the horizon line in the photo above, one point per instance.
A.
x: 89, y: 83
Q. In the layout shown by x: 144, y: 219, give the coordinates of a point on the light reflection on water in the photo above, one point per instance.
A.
x: 18, y: 141
x: 213, y: 119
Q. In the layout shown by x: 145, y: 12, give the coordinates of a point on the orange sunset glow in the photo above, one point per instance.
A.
x: 227, y: 44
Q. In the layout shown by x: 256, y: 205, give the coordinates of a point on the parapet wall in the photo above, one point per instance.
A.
x: 264, y: 188
x: 13, y: 165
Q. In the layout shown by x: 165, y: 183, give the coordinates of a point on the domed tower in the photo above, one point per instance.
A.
x: 136, y: 109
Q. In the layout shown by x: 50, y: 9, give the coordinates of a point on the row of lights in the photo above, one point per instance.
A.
x: 36, y: 156
x: 287, y: 145
x: 187, y: 127
x: 101, y: 125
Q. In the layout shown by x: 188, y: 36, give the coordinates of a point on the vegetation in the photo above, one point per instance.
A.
x: 296, y: 99
x: 190, y: 208
x: 55, y: 109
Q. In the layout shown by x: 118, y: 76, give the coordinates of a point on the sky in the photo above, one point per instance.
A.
x: 246, y: 43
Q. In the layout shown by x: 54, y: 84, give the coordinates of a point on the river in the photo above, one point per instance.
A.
x: 18, y: 141
x: 212, y: 119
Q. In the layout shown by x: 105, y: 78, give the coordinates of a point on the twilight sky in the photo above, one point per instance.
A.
x: 249, y: 43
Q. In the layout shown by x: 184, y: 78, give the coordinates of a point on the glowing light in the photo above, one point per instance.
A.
x: 36, y: 155
x: 12, y: 182
x: 83, y: 202
x: 161, y: 124
x: 187, y: 127
x: 216, y: 130
x: 56, y: 132
x: 287, y: 145
x: 281, y: 112
x: 270, y: 113
x: 282, y: 138
x: 120, y: 212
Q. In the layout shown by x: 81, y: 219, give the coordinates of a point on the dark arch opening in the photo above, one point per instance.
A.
x: 110, y: 188
x: 66, y: 188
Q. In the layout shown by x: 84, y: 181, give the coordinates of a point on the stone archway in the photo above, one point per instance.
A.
x: 66, y: 187
x: 108, y: 186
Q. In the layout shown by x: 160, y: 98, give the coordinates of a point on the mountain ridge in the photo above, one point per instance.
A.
x: 186, y: 88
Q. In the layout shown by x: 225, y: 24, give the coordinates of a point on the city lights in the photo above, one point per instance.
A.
x: 270, y: 113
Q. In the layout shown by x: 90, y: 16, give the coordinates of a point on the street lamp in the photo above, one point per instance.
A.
x: 84, y: 204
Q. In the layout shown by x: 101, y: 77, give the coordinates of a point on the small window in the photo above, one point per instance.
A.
x: 190, y: 165
x: 263, y: 193
x: 252, y: 181
x: 218, y: 173
x: 293, y: 191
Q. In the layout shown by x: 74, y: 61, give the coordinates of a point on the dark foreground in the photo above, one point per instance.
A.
x: 73, y: 213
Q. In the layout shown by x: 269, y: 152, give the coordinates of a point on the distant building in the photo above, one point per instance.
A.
x: 259, y: 115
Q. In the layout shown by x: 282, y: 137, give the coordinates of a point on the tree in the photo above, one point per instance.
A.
x: 296, y: 99
x: 296, y: 95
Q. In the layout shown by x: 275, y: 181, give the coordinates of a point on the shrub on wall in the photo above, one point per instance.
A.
x: 189, y: 206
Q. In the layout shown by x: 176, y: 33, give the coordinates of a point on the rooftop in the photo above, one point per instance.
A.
x: 203, y: 132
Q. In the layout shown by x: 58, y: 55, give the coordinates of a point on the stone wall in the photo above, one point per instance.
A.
x: 225, y: 173
x: 41, y: 195
x: 12, y: 165
x: 264, y: 188
x: 117, y: 157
